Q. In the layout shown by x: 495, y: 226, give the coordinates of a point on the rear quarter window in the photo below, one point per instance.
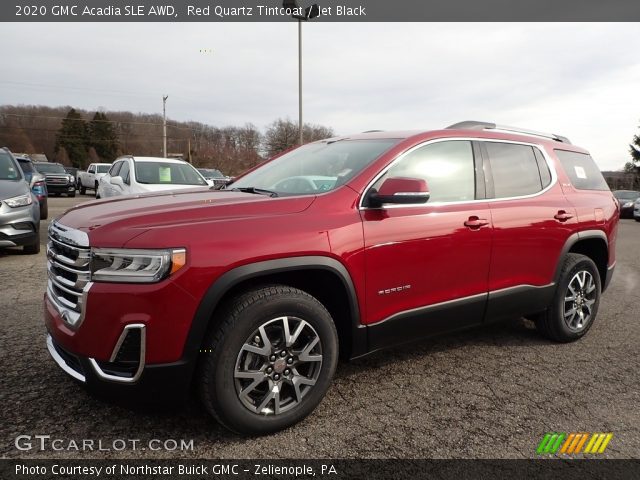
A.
x: 582, y: 171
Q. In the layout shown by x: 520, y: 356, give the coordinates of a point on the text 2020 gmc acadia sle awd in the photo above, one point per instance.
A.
x: 342, y: 246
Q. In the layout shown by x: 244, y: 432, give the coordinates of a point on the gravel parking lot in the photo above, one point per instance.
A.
x: 485, y: 393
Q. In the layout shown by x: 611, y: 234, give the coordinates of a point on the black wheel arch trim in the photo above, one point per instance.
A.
x: 575, y: 238
x: 231, y: 278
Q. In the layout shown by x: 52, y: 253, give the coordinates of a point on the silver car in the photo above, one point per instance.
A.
x: 19, y: 208
x: 636, y: 210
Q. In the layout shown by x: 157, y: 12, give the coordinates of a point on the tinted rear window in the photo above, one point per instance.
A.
x: 514, y: 168
x: 582, y: 170
x: 26, y: 165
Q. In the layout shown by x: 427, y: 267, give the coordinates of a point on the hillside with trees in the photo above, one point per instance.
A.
x: 76, y: 137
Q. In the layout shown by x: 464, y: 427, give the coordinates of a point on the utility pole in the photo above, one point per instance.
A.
x: 301, y: 138
x: 164, y: 126
x: 310, y: 12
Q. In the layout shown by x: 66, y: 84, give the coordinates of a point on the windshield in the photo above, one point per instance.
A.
x: 50, y: 168
x: 210, y: 173
x: 103, y: 168
x: 8, y: 170
x: 166, y: 173
x: 626, y: 195
x: 315, y: 168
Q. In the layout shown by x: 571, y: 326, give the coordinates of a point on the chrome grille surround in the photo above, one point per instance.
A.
x: 69, y: 273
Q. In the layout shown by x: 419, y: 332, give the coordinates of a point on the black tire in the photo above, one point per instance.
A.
x: 44, y: 211
x: 637, y: 219
x: 239, y: 320
x: 95, y: 188
x: 551, y: 323
x: 71, y: 195
x: 83, y: 191
x: 32, y: 249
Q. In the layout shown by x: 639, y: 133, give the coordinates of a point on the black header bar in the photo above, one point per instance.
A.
x: 330, y: 11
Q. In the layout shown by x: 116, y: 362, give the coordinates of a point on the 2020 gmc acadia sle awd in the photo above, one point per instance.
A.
x: 342, y: 246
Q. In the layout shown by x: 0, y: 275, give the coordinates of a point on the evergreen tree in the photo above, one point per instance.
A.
x: 103, y: 138
x: 634, y: 149
x: 73, y: 137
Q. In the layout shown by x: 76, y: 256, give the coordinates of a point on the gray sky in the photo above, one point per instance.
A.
x: 578, y: 80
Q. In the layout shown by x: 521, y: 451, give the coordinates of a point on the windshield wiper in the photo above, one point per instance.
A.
x: 259, y: 191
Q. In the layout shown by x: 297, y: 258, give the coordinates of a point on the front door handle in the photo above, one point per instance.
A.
x: 474, y: 223
x: 562, y: 216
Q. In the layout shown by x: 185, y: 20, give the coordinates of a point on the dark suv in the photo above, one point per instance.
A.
x: 346, y: 245
x: 57, y: 179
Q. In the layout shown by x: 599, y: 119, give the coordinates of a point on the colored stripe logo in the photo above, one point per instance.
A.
x: 573, y: 443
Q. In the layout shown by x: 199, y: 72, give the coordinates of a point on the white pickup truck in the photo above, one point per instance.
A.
x: 89, y: 179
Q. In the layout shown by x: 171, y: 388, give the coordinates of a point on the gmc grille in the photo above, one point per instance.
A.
x: 68, y: 266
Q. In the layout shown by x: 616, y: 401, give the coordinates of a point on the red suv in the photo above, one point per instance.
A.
x: 342, y: 246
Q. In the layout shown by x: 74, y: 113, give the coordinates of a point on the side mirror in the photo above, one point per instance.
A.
x: 117, y: 180
x: 400, y: 190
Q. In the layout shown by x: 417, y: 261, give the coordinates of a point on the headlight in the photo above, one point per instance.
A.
x: 21, y: 201
x: 72, y: 178
x: 133, y: 265
x: 627, y: 205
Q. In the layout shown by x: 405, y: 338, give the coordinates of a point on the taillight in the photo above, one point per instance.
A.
x: 39, y: 188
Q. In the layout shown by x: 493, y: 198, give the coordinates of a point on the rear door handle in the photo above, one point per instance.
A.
x: 475, y: 223
x: 562, y: 216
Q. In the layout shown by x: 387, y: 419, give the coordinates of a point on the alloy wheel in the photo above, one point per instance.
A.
x: 579, y: 299
x: 278, y: 365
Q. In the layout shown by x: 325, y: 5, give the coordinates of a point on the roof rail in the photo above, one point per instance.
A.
x: 474, y: 125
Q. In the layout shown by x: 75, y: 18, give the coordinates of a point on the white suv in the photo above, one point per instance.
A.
x: 133, y: 175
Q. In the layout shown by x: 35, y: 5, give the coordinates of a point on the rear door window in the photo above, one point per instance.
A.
x: 582, y: 170
x: 514, y: 169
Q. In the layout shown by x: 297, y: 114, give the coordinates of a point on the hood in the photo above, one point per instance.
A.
x: 128, y: 216
x: 10, y: 188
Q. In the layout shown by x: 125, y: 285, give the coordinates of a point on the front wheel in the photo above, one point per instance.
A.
x: 575, y: 304
x: 270, y: 360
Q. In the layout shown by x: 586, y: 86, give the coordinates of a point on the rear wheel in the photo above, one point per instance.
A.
x: 270, y: 361
x: 95, y: 187
x: 44, y: 211
x: 576, y: 302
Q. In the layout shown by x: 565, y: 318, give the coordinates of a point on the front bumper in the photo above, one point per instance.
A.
x: 157, y: 384
x: 55, y: 188
x: 18, y: 226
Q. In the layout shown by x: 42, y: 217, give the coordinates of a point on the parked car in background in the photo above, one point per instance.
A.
x: 19, y: 208
x: 57, y: 179
x: 134, y: 175
x: 636, y: 210
x: 626, y: 199
x: 37, y: 182
x: 214, y: 175
x: 89, y: 180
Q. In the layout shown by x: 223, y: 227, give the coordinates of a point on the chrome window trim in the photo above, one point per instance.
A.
x: 114, y: 354
x: 61, y: 363
x: 540, y: 147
